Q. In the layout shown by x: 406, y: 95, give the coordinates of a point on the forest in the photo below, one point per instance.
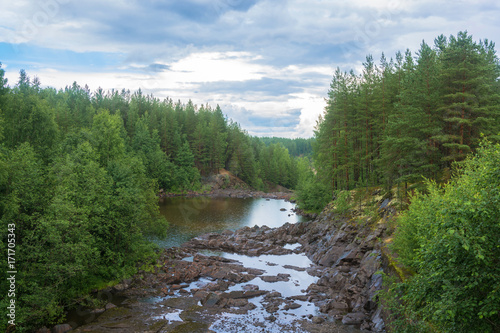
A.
x: 79, y: 176
x: 424, y: 128
x: 407, y: 118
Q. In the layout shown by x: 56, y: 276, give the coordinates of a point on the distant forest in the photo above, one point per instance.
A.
x: 296, y: 147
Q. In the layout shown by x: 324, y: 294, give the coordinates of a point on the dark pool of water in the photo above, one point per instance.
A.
x: 191, y: 217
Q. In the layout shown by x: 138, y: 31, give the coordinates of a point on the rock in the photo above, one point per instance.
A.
x: 302, y: 298
x: 317, y: 320
x: 295, y: 268
x: 110, y: 306
x: 292, y: 306
x: 244, y: 294
x: 353, y: 318
x: 61, y: 328
x: 250, y: 287
x: 271, y: 318
x: 211, y: 300
x: 378, y: 321
x: 283, y: 209
x: 241, y: 302
x: 120, y: 287
x: 279, y: 277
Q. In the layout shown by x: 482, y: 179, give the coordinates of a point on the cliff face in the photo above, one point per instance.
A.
x: 349, y: 254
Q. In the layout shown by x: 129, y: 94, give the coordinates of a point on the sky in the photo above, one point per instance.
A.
x: 267, y: 63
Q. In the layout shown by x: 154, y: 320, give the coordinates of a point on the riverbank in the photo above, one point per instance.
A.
x: 192, y: 290
x: 230, y: 193
x: 226, y: 185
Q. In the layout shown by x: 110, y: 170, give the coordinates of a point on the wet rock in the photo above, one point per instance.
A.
x: 240, y: 302
x: 302, y: 298
x: 292, y: 306
x: 279, y: 277
x: 250, y: 287
x: 271, y: 318
x: 300, y: 269
x: 353, y: 318
x: 212, y: 299
x: 244, y: 294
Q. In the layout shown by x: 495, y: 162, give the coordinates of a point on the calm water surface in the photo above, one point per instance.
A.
x: 190, y: 217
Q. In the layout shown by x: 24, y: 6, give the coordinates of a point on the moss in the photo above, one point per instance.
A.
x: 392, y: 263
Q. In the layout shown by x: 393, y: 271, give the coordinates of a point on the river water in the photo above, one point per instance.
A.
x: 191, y: 217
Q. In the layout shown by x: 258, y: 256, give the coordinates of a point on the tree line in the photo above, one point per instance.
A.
x: 409, y: 117
x: 79, y: 175
x: 297, y: 147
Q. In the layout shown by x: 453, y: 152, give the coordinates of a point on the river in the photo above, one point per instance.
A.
x: 191, y: 217
x: 284, y: 306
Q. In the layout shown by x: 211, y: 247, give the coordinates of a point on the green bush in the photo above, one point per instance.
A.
x: 313, y: 195
x: 450, y: 238
x: 343, y: 202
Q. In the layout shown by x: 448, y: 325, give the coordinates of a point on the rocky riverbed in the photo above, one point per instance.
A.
x: 318, y: 276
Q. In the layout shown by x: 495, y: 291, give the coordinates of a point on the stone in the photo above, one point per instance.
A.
x: 317, y: 320
x: 355, y: 318
x: 120, y: 287
x: 249, y: 287
x: 292, y: 306
x: 61, y: 328
x: 240, y: 302
x: 110, y: 306
x: 279, y: 277
x: 271, y: 318
x: 244, y: 294
x: 211, y: 300
x: 300, y: 269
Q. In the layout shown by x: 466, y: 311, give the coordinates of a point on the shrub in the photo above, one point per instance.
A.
x: 450, y: 237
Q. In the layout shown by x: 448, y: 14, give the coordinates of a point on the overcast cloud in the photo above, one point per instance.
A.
x: 267, y: 63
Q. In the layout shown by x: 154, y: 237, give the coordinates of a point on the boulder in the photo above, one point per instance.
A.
x: 355, y: 318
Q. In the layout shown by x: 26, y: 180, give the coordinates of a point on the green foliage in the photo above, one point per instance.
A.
x: 312, y: 194
x: 297, y: 147
x: 343, y: 202
x: 450, y: 239
x: 79, y: 175
x: 410, y: 117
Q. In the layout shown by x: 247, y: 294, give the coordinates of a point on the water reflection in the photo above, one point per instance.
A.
x: 190, y: 217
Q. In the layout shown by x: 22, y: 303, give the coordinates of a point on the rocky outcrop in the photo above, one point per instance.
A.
x: 347, y: 259
x: 347, y: 254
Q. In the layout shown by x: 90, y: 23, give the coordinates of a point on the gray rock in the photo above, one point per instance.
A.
x: 353, y: 318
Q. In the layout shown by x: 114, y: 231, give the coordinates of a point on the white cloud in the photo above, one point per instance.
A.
x: 203, y: 42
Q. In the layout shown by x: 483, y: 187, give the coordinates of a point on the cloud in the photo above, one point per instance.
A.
x: 262, y: 57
